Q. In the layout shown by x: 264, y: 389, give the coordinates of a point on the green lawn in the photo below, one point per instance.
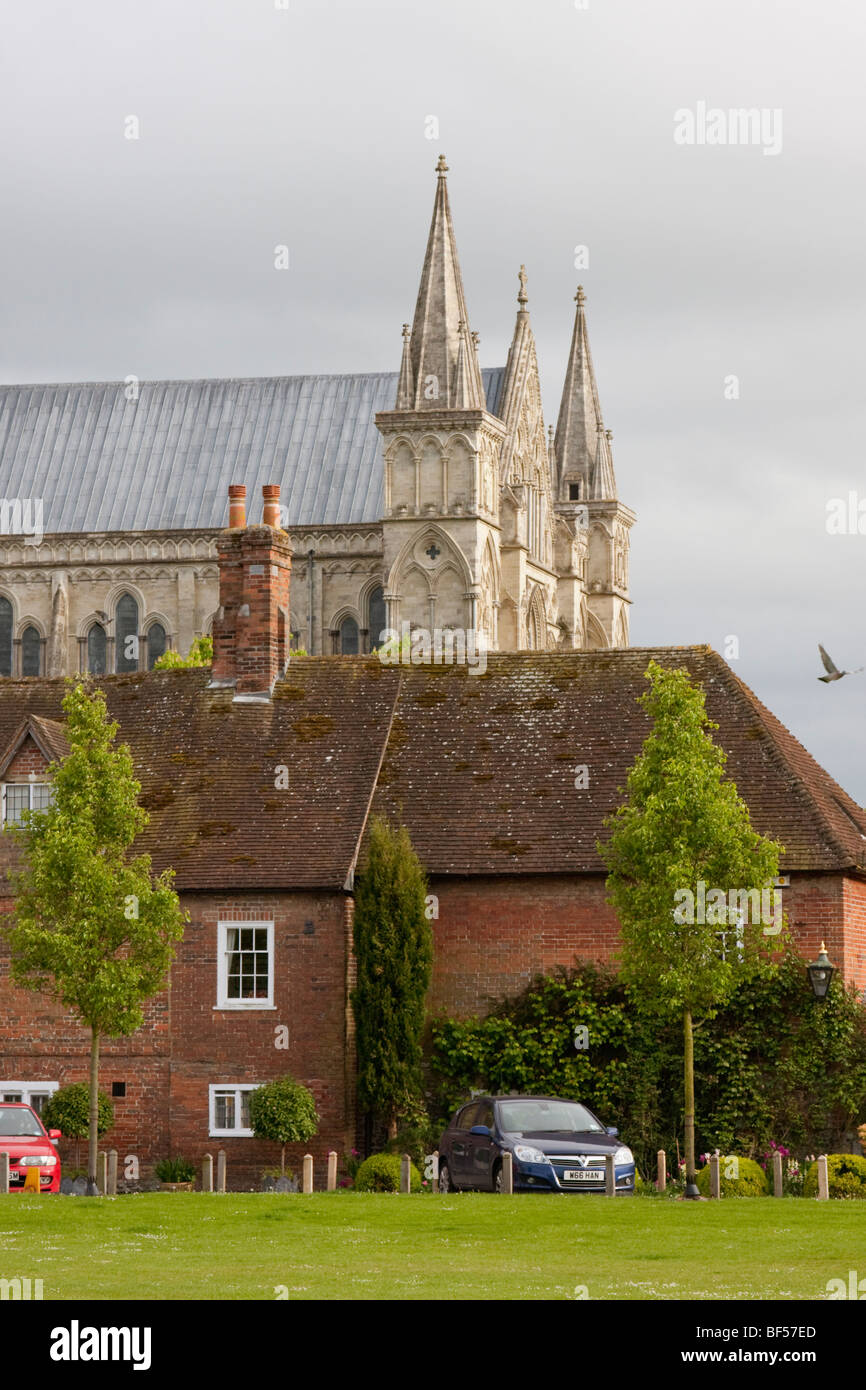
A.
x: 471, y: 1246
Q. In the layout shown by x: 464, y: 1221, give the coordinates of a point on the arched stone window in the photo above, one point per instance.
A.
x: 31, y: 652
x: 97, y: 649
x: 5, y: 637
x: 349, y: 637
x: 126, y: 634
x: 377, y: 621
x: 157, y: 643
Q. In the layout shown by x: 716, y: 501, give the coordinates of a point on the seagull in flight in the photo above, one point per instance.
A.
x: 832, y: 673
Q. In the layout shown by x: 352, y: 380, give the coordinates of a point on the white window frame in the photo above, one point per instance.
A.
x: 30, y: 782
x: 27, y: 1089
x: 237, y: 1087
x: 223, y: 1001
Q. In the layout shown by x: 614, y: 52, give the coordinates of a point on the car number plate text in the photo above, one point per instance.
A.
x: 582, y: 1175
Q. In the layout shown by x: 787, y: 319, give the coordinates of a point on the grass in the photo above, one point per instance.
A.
x: 470, y: 1246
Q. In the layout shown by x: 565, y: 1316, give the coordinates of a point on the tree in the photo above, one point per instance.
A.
x: 283, y: 1111
x: 200, y: 654
x: 394, y: 954
x: 681, y: 845
x: 90, y: 925
x: 68, y: 1110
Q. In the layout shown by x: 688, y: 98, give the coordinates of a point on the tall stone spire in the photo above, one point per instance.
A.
x: 603, y: 485
x: 406, y: 384
x: 441, y: 324
x: 580, y: 420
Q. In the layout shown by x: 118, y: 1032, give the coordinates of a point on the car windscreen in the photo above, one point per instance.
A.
x: 547, y: 1117
x: 19, y: 1123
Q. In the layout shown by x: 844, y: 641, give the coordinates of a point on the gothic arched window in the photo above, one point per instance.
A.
x: 31, y: 652
x: 5, y: 637
x: 126, y: 634
x: 97, y: 647
x: 349, y: 637
x: 377, y: 621
x: 156, y: 644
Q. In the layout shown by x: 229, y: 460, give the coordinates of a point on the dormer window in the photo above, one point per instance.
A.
x: 24, y: 781
x: 19, y: 797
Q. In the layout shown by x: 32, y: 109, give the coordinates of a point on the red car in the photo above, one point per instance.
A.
x: 29, y: 1145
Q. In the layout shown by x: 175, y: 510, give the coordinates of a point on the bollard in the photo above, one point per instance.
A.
x: 609, y: 1176
x: 507, y: 1186
x: 102, y: 1173
x: 715, y: 1177
x: 207, y: 1173
x: 332, y: 1171
x: 405, y: 1173
x: 434, y: 1171
x: 662, y: 1179
x: 111, y: 1186
x: 823, y: 1183
x: 221, y: 1170
x: 778, y: 1180
x: 4, y: 1174
x: 308, y: 1172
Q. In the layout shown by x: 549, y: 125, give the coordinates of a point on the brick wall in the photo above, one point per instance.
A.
x: 29, y: 758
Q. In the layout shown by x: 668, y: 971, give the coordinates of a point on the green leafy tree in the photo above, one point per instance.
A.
x: 91, y: 926
x: 283, y: 1111
x: 684, y: 825
x: 200, y: 654
x: 68, y: 1110
x: 394, y: 954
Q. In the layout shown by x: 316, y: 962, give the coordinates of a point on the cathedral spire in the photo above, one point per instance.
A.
x: 603, y: 485
x: 440, y: 331
x: 406, y: 384
x: 579, y: 423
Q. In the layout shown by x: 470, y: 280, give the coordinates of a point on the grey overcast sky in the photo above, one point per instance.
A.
x: 308, y: 126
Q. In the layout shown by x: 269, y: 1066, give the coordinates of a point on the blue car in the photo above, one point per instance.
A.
x: 556, y: 1146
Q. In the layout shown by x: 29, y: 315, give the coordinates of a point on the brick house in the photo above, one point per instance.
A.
x: 260, y: 777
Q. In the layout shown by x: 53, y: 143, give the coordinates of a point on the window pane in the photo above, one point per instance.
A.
x: 224, y: 1110
x: 37, y: 1100
x: 17, y: 800
x: 42, y: 795
x: 126, y: 633
x: 348, y: 637
x: 12, y: 1097
x: 245, y: 1110
x: 96, y: 649
x: 156, y: 644
x: 31, y: 652
x: 5, y: 637
x: 232, y: 938
x: 261, y: 938
x: 377, y: 618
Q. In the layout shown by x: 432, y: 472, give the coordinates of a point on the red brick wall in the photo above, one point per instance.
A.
x: 29, y: 758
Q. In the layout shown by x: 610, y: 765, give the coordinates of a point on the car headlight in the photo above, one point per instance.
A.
x: 37, y: 1161
x: 623, y: 1155
x: 525, y: 1153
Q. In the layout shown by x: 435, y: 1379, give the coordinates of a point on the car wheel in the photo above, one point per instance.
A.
x: 445, y: 1183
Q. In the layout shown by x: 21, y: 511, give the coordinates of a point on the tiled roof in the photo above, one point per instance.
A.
x: 480, y: 767
x: 101, y: 462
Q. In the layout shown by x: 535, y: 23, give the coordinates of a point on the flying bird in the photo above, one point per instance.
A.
x: 832, y: 673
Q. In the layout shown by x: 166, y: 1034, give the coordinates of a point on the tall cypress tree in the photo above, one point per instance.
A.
x: 394, y: 954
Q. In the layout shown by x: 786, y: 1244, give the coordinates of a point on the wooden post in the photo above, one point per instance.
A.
x: 111, y: 1188
x: 609, y: 1176
x: 778, y: 1179
x: 823, y: 1181
x: 507, y: 1173
x: 405, y: 1174
x: 715, y: 1176
x: 662, y: 1179
x: 207, y: 1173
x: 308, y: 1173
x: 102, y: 1173
x: 332, y: 1171
x: 4, y: 1174
x: 221, y: 1170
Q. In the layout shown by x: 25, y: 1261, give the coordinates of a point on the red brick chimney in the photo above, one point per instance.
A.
x: 251, y: 629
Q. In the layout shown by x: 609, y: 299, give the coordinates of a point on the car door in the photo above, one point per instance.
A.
x: 484, y: 1151
x: 461, y: 1146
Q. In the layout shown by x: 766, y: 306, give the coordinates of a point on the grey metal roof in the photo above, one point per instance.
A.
x: 165, y: 461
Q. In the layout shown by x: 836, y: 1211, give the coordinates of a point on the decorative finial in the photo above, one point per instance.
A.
x: 476, y: 339
x: 580, y: 296
x: 406, y: 332
x: 441, y: 167
x: 608, y: 434
x: 523, y: 297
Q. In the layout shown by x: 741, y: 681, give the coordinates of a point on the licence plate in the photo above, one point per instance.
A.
x: 582, y: 1175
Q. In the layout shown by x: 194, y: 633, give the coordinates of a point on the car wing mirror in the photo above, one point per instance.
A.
x: 55, y: 1134
x: 482, y: 1130
x: 612, y: 1131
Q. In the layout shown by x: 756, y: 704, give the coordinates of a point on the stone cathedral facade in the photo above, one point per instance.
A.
x: 434, y: 497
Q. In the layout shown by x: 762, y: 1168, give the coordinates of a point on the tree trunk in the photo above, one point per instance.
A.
x: 283, y: 1161
x: 93, y: 1128
x: 689, y: 1077
x: 392, y: 1129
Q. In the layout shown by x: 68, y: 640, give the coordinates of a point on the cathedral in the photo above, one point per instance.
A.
x: 433, y: 497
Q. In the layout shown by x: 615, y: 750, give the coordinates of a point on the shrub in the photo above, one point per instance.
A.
x: 69, y: 1111
x: 846, y: 1176
x: 751, y: 1180
x: 381, y: 1173
x: 175, y: 1170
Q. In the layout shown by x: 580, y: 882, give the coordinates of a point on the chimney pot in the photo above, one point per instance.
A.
x: 271, y: 495
x: 237, y: 505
